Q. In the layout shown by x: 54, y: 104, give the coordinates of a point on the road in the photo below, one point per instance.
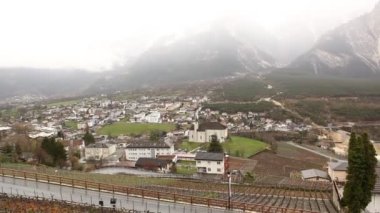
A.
x: 30, y: 188
x: 313, y: 151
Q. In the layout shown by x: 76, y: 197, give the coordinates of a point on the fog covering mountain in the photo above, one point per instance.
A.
x: 352, y: 49
x: 223, y: 49
x: 48, y: 83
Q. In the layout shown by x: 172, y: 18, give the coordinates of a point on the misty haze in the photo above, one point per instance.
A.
x: 190, y: 106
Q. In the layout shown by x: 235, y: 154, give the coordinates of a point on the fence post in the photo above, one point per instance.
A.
x: 25, y: 175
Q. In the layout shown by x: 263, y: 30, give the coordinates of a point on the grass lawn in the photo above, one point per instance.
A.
x: 123, y: 128
x: 186, y: 167
x: 243, y: 147
x: 188, y: 146
x: 63, y: 103
x: 71, y: 124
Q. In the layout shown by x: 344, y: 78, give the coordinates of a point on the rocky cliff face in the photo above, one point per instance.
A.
x: 352, y: 49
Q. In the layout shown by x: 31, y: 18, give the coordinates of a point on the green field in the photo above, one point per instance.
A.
x: 71, y: 124
x: 262, y: 106
x: 188, y: 146
x: 243, y: 147
x: 186, y: 167
x: 63, y: 103
x: 303, y: 85
x: 124, y: 128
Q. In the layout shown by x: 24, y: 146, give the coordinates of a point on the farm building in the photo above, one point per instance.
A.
x: 154, y: 164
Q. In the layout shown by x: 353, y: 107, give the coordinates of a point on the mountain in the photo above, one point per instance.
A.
x: 210, y: 54
x: 44, y: 82
x: 352, y: 49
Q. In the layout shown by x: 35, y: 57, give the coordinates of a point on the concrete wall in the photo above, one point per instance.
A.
x: 374, y: 205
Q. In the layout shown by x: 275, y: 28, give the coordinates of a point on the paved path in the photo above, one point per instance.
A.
x: 30, y: 188
x: 313, y: 151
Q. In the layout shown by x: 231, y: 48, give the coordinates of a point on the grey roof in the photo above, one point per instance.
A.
x: 210, y: 156
x: 314, y: 173
x: 147, y: 144
x: 339, y: 166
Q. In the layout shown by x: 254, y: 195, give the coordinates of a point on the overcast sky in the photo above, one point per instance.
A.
x: 95, y: 35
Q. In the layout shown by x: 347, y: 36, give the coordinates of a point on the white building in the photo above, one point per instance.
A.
x: 147, y: 149
x: 202, y: 133
x: 99, y: 151
x: 154, y: 117
x: 210, y: 163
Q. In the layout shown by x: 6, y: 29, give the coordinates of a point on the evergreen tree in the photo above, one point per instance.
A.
x: 55, y: 151
x: 361, y: 176
x: 370, y: 163
x: 215, y: 146
x: 88, y: 138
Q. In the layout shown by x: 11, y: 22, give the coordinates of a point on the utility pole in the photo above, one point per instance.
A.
x: 229, y: 190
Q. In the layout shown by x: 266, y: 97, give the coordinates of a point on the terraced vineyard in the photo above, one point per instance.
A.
x: 25, y: 204
x: 286, y: 196
x: 314, y: 197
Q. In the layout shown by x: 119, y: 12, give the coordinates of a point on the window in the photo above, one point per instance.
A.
x: 218, y: 162
x: 209, y: 169
x: 199, y: 161
x: 219, y: 170
x: 208, y: 162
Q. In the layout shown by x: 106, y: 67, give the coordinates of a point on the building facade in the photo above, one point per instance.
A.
x: 210, y: 163
x: 338, y: 171
x: 98, y: 151
x: 147, y: 149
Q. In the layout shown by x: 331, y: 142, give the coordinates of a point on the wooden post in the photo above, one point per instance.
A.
x: 60, y: 181
x: 208, y: 202
x: 25, y: 175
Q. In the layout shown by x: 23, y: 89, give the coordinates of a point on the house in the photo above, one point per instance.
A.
x: 202, y: 133
x: 210, y: 163
x: 99, y: 151
x: 338, y: 171
x: 147, y: 149
x: 314, y: 175
x: 154, y: 164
